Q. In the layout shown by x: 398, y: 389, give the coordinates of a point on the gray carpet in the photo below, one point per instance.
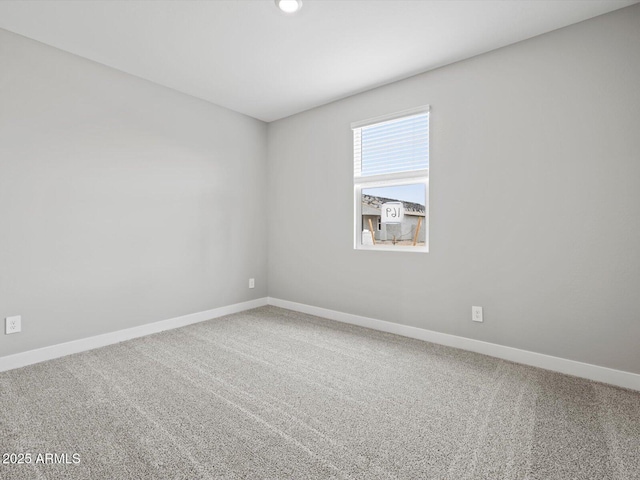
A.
x: 271, y: 393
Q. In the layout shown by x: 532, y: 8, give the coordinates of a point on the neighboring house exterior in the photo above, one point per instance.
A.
x: 386, y: 232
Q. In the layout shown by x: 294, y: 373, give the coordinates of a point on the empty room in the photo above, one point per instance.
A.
x: 317, y: 239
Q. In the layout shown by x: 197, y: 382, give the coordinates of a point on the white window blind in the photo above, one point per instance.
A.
x: 393, y: 146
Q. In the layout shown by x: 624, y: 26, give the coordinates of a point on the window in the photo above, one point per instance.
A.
x: 391, y: 182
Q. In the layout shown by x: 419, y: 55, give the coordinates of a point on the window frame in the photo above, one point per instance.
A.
x: 408, y: 177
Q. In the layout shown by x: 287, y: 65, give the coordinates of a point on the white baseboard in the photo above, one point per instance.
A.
x: 62, y: 349
x: 570, y: 367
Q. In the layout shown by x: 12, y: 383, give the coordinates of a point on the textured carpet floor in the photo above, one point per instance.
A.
x: 270, y: 393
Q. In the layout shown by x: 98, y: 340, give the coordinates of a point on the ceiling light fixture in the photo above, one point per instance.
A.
x: 289, y: 6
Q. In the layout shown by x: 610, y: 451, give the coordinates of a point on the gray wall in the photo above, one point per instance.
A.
x: 534, y: 199
x: 121, y: 202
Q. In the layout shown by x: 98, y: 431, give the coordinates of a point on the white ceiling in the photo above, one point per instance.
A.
x: 248, y: 56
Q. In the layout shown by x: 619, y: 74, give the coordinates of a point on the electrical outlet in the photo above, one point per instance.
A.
x: 476, y: 314
x: 252, y: 283
x: 13, y: 324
